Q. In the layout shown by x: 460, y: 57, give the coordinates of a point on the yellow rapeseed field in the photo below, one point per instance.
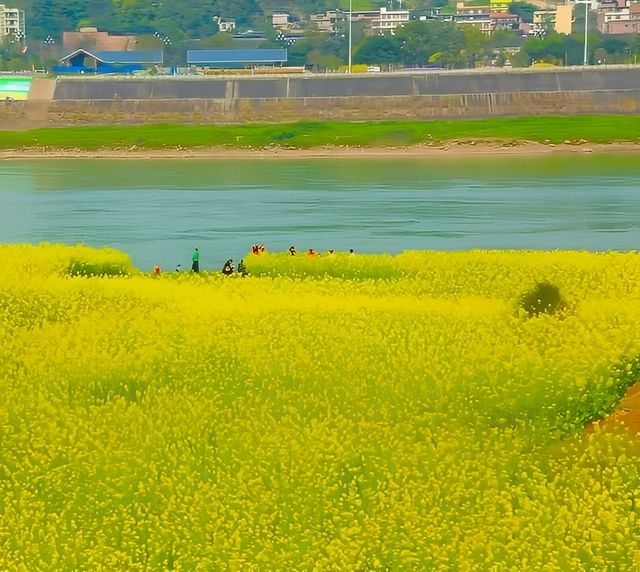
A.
x: 330, y: 413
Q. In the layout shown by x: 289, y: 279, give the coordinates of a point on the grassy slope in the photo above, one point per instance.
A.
x: 308, y: 134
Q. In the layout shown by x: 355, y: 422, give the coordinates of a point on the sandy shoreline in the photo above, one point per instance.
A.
x: 450, y: 149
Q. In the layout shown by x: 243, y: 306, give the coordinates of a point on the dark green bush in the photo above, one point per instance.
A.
x: 544, y: 298
x: 101, y: 268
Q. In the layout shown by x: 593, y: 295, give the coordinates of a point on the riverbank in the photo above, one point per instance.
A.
x: 469, y: 148
x: 523, y: 135
x: 626, y: 415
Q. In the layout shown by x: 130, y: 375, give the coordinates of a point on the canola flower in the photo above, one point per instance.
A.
x: 333, y: 413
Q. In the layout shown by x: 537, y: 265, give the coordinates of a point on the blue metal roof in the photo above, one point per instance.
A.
x: 245, y: 56
x: 121, y: 57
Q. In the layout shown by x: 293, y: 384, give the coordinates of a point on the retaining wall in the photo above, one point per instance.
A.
x: 348, y: 108
x: 426, y: 95
x: 319, y: 86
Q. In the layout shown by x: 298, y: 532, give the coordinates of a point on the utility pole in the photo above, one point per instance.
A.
x: 586, y: 33
x: 586, y: 3
x: 350, y: 10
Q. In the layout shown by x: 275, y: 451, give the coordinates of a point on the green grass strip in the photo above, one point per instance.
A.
x: 310, y: 134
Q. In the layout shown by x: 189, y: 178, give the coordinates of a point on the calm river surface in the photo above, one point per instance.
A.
x: 159, y: 210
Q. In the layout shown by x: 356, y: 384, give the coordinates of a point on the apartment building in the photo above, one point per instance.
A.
x: 388, y: 20
x: 621, y: 19
x: 283, y: 21
x: 543, y: 21
x: 328, y: 21
x: 12, y: 22
x: 492, y: 16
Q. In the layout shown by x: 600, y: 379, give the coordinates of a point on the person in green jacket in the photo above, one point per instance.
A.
x: 195, y: 266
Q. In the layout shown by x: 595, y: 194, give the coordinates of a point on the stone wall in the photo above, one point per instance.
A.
x: 426, y: 95
x: 133, y: 111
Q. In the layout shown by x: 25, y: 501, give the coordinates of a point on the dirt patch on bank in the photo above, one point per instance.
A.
x: 626, y: 416
x: 452, y: 149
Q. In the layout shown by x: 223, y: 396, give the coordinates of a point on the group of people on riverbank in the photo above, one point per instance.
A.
x: 312, y: 252
x: 229, y: 268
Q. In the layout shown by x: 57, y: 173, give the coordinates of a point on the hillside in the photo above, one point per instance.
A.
x: 178, y: 18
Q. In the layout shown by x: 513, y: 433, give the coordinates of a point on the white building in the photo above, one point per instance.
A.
x: 388, y: 20
x: 543, y: 21
x: 225, y: 24
x: 11, y: 22
x: 283, y: 21
x: 476, y: 19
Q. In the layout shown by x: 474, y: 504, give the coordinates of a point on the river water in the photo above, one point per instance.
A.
x: 159, y: 210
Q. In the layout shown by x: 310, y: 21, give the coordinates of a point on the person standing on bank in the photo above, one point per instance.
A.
x: 195, y: 266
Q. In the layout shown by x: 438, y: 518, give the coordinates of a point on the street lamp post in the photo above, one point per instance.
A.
x: 586, y: 33
x: 350, y: 10
x: 166, y: 40
x: 586, y: 3
x: 47, y: 45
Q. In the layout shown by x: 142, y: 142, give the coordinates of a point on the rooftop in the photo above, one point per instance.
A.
x: 239, y: 56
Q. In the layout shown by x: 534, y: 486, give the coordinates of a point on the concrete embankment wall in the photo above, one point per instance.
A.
x: 425, y: 95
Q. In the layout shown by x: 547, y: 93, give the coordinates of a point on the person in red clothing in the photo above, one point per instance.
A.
x: 156, y: 270
x: 311, y: 252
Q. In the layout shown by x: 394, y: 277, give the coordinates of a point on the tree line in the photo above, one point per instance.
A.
x: 179, y: 19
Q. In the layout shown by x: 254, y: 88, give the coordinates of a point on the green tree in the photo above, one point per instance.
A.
x: 634, y: 48
x: 240, y: 10
x: 476, y: 46
x: 554, y: 48
x: 320, y: 61
x: 420, y: 40
x: 379, y: 50
x: 504, y: 39
x: 220, y: 40
x: 611, y: 49
x: 523, y: 9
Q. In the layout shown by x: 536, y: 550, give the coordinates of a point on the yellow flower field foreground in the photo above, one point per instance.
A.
x: 331, y: 413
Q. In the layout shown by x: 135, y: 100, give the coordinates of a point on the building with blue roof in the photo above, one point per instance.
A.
x: 83, y: 61
x: 237, y: 59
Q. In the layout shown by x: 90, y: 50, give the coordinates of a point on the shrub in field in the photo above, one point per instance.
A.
x: 544, y: 298
x: 106, y: 262
x: 55, y: 259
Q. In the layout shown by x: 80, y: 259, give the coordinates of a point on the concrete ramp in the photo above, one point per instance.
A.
x: 39, y: 102
x: 42, y: 89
